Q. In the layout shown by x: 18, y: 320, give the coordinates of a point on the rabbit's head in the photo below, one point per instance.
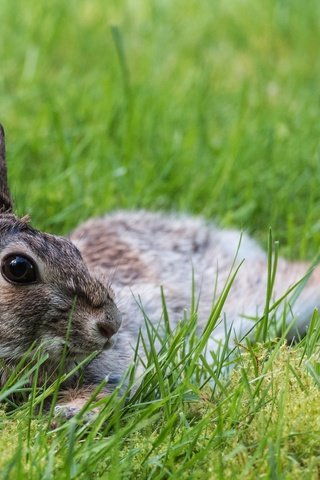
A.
x: 47, y: 294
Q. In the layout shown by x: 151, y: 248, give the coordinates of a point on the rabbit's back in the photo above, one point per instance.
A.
x: 140, y: 251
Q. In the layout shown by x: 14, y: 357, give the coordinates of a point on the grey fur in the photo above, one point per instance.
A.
x: 141, y: 251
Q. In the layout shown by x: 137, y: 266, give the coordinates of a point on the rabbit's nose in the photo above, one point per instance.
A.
x: 106, y: 329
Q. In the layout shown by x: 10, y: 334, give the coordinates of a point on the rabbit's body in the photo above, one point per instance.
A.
x: 57, y: 292
x: 141, y: 251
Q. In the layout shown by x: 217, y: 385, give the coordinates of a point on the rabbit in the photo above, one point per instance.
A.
x: 98, y: 276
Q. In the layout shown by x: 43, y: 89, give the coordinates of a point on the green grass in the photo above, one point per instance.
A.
x: 208, y: 107
x: 187, y: 419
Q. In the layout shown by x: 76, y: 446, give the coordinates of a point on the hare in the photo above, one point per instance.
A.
x: 45, y: 279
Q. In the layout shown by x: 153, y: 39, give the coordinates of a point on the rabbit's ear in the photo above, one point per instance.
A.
x: 5, y: 199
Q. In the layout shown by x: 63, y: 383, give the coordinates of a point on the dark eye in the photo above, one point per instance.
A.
x: 18, y: 269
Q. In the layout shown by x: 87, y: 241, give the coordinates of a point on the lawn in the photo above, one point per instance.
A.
x: 209, y: 108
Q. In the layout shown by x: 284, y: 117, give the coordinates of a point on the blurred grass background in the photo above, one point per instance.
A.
x: 207, y: 107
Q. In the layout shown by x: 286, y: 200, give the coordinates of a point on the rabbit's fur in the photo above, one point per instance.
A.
x: 42, y: 309
x: 137, y: 252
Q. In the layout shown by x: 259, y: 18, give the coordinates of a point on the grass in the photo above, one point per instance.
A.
x: 187, y: 419
x: 208, y: 107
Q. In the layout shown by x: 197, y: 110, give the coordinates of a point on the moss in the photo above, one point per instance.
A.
x: 276, y: 430
x: 279, y: 427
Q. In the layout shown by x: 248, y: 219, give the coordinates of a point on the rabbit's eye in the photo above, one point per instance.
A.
x: 18, y: 269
